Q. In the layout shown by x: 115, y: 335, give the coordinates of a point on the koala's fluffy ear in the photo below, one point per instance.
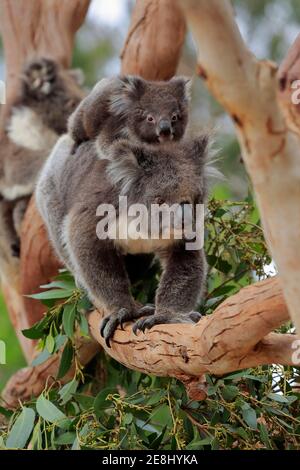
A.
x: 182, y: 87
x: 206, y: 158
x: 129, y: 89
x: 130, y: 154
x: 85, y: 122
x: 123, y: 168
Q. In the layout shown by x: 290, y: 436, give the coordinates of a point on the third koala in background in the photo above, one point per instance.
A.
x: 48, y: 94
x: 75, y: 183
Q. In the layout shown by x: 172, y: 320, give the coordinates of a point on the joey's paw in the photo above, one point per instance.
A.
x: 39, y: 77
x: 165, y: 318
x: 111, y: 322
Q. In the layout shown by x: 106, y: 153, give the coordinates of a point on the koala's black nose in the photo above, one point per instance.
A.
x: 164, y: 127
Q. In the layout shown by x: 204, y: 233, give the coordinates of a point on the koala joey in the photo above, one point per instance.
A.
x: 72, y: 186
x: 133, y: 108
x: 48, y: 95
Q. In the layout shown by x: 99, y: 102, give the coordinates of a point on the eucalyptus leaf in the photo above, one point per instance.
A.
x: 21, y: 430
x: 68, y: 319
x: 48, y: 411
x: 52, y: 294
x: 66, y: 360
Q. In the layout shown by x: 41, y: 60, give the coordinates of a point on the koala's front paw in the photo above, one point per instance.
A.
x: 163, y: 318
x: 39, y: 77
x: 112, y: 321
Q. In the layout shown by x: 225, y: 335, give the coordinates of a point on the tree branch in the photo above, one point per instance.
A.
x: 235, y: 336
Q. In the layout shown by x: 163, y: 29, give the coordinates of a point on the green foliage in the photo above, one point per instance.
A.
x: 14, y: 356
x: 134, y: 411
x: 236, y: 250
x: 249, y: 409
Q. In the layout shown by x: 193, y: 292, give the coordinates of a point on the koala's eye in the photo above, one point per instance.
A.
x: 150, y: 118
x: 174, y: 117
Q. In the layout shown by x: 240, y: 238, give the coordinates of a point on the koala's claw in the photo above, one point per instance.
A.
x: 111, y: 322
x: 195, y: 316
x: 165, y: 318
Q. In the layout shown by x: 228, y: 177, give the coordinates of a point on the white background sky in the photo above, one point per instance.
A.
x: 110, y: 12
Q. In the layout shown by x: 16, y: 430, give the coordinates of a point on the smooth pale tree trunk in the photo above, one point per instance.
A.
x: 248, y: 88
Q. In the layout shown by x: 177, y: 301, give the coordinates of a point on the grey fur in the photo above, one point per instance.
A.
x: 72, y: 185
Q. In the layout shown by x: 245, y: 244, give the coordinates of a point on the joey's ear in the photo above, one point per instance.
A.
x: 206, y: 158
x: 137, y: 155
x: 130, y: 88
x: 182, y: 87
x: 133, y: 85
x: 123, y: 169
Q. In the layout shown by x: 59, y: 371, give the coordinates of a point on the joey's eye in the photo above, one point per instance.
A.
x: 174, y: 117
x: 150, y: 118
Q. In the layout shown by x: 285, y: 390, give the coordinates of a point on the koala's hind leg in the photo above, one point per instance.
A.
x: 180, y: 288
x: 99, y: 267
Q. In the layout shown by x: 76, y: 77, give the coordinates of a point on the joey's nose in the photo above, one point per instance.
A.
x: 164, y: 127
